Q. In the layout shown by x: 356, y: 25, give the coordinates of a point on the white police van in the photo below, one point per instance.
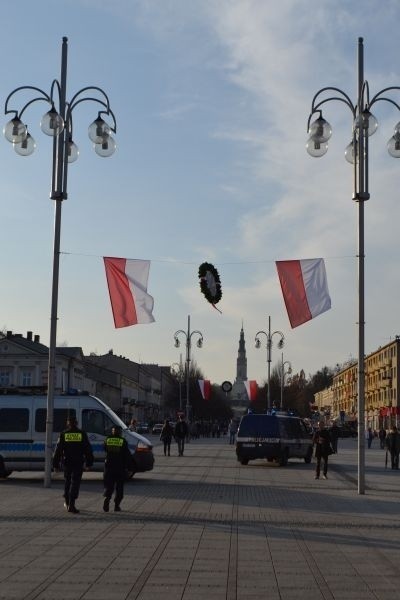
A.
x: 23, y: 430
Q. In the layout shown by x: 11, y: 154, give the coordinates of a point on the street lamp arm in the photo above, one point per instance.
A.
x: 342, y: 98
x: 44, y: 97
x: 108, y: 110
x: 178, y: 332
x: 377, y: 99
x: 388, y: 89
x: 259, y: 332
x: 198, y: 333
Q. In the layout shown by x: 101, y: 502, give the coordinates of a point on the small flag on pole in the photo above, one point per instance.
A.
x: 205, y: 388
x: 127, y: 285
x: 305, y: 288
x: 251, y: 389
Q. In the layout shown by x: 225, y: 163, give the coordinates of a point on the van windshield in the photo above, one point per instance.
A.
x: 258, y: 426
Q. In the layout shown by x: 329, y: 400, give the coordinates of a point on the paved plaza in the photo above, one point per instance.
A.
x: 203, y: 527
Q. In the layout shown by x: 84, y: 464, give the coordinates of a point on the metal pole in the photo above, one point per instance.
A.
x: 282, y: 383
x: 269, y: 364
x: 187, y: 369
x: 361, y: 159
x: 58, y: 192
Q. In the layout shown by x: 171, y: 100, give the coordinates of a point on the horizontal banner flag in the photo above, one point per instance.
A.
x: 304, y: 288
x: 127, y: 285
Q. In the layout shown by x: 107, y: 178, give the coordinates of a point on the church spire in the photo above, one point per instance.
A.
x: 241, y: 363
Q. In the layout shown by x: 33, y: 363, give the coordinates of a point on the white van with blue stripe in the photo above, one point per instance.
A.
x: 23, y: 431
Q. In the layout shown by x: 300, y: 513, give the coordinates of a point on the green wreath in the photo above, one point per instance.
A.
x: 210, y: 283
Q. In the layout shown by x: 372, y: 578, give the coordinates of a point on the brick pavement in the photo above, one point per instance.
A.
x: 204, y: 527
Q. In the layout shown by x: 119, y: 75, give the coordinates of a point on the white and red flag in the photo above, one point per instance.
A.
x: 305, y: 288
x: 205, y: 388
x: 127, y: 285
x: 251, y: 389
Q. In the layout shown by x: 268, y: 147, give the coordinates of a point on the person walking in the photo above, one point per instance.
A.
x: 181, y: 431
x: 233, y: 427
x: 166, y: 437
x: 382, y: 437
x: 72, y: 450
x: 334, y: 434
x: 393, y: 445
x: 322, y: 442
x: 118, y: 460
x: 369, y: 435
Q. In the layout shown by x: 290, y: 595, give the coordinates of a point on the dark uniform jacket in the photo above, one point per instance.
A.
x: 73, y: 449
x: 118, y: 457
x: 322, y: 442
x: 181, y: 429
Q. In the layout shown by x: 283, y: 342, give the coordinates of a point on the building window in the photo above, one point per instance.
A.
x: 26, y: 378
x: 5, y: 378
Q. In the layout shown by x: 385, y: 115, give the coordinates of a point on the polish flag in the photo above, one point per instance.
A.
x: 127, y: 285
x: 304, y: 287
x: 251, y: 389
x: 205, y: 388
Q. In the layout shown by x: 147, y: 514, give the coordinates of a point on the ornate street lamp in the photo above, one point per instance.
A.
x: 283, y: 373
x: 57, y: 123
x: 178, y: 371
x: 269, y: 337
x: 364, y: 125
x: 188, y: 341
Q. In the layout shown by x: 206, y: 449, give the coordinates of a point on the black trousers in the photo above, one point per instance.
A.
x: 167, y: 446
x: 395, y: 459
x: 73, y: 478
x: 181, y: 445
x: 114, y: 480
x: 320, y: 457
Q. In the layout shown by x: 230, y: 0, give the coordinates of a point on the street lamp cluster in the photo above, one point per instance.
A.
x: 188, y: 342
x: 283, y: 373
x: 364, y: 124
x: 269, y: 337
x: 57, y: 123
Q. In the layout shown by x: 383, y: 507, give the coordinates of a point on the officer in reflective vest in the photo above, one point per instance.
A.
x: 118, y: 460
x: 73, y: 449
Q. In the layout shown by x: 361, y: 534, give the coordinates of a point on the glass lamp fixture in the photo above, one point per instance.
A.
x: 177, y: 343
x: 368, y: 121
x: 72, y: 151
x: 106, y: 147
x: 52, y: 123
x: 200, y: 343
x: 258, y: 343
x: 98, y: 130
x: 393, y: 145
x: 349, y: 153
x: 316, y: 148
x: 320, y: 130
x: 26, y: 147
x: 14, y: 131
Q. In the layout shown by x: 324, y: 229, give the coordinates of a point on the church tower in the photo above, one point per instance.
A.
x: 241, y: 362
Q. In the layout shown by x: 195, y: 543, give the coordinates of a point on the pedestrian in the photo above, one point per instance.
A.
x: 382, y: 437
x: 334, y: 433
x: 322, y: 442
x: 233, y: 427
x: 166, y: 437
x: 393, y: 445
x: 181, y: 431
x: 117, y: 462
x: 369, y: 436
x: 132, y: 425
x: 72, y: 451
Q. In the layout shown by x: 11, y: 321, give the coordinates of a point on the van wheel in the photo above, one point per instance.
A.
x: 244, y: 461
x: 3, y: 471
x: 308, y: 456
x: 283, y: 460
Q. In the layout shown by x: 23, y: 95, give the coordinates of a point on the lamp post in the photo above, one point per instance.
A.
x: 177, y: 370
x: 188, y: 340
x: 364, y: 125
x: 57, y: 123
x: 269, y: 337
x: 283, y: 373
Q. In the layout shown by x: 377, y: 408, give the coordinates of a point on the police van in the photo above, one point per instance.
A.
x: 23, y: 431
x: 276, y: 437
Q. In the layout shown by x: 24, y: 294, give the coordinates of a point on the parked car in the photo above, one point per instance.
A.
x: 157, y: 428
x: 143, y: 428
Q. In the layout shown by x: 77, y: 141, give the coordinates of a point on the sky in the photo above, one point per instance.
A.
x: 211, y: 99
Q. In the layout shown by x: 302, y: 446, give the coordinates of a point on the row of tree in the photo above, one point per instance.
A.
x: 298, y: 394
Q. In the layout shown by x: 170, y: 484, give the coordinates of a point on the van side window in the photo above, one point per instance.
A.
x: 14, y: 419
x: 60, y: 417
x: 96, y: 421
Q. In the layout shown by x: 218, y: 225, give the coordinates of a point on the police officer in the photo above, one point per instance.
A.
x: 73, y: 449
x: 118, y: 460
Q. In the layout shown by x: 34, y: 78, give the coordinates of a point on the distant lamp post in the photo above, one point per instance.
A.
x: 178, y: 370
x: 269, y: 337
x: 57, y: 123
x: 188, y: 341
x: 364, y: 124
x: 283, y: 373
